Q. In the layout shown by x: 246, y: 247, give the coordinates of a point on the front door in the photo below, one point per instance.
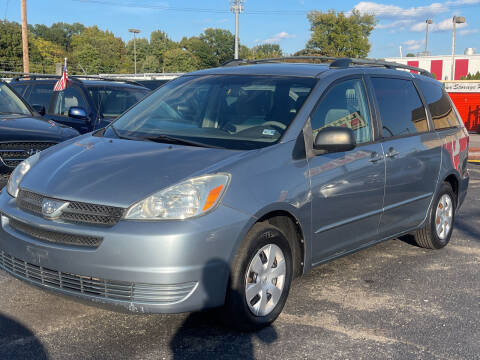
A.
x: 347, y: 189
x: 63, y: 100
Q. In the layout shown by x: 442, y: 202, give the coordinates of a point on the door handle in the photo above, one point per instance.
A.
x: 392, y: 153
x: 375, y: 157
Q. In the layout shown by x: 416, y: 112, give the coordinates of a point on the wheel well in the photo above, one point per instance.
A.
x: 452, y: 180
x: 292, y: 230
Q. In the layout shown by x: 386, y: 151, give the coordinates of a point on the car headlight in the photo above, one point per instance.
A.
x: 189, y: 198
x: 19, y: 172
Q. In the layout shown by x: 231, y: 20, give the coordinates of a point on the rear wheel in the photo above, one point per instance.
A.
x: 261, y: 275
x: 437, y: 231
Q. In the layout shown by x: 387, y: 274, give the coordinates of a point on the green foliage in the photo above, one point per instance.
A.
x: 221, y: 44
x: 178, y: 60
x: 339, y: 35
x: 91, y: 50
x: 266, y: 51
x: 410, y: 55
x: 475, y: 76
x: 97, y: 51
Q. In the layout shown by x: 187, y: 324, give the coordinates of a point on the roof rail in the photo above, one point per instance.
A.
x: 335, y: 63
x: 16, y: 76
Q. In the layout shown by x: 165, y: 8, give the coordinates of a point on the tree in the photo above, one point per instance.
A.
x: 178, y: 60
x: 244, y: 52
x: 10, y: 46
x: 201, y: 50
x: 410, y: 55
x: 475, y: 76
x: 265, y: 51
x: 44, y: 55
x: 338, y: 35
x: 160, y: 43
x: 221, y: 43
x: 97, y: 51
x: 143, y: 50
x: 59, y: 33
x: 151, y: 64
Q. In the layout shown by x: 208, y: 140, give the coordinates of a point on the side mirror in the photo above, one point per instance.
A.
x: 39, y: 109
x: 77, y: 113
x: 335, y: 139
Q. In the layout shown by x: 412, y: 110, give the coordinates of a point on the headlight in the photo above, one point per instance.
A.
x: 189, y: 198
x: 19, y: 173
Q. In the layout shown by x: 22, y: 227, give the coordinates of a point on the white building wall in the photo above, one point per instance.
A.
x: 424, y: 62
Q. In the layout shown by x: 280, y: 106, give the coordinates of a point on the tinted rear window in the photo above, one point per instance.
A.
x: 439, y: 104
x: 401, y: 110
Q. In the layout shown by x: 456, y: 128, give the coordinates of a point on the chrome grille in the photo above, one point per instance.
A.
x: 55, y: 236
x: 96, y: 287
x: 77, y: 212
x: 13, y: 153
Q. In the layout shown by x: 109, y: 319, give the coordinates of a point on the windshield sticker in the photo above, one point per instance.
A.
x: 269, y: 132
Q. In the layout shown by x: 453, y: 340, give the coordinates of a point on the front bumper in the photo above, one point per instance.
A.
x: 159, y: 267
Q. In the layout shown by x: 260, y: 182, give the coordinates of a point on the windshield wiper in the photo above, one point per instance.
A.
x: 162, y: 138
x: 120, y: 136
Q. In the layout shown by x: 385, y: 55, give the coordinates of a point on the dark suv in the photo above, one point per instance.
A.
x: 23, y: 132
x: 85, y: 105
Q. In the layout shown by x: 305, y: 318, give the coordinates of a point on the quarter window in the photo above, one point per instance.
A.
x: 401, y: 110
x: 344, y: 105
x: 439, y: 104
x: 68, y: 98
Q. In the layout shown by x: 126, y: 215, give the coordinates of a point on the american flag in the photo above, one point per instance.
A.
x: 61, y: 84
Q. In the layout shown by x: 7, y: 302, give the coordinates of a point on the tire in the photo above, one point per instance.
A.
x: 428, y: 237
x: 248, y: 316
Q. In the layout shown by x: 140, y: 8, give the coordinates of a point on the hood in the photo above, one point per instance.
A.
x: 22, y: 128
x: 118, y: 172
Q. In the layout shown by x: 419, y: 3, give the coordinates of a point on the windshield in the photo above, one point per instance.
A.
x: 112, y: 102
x: 228, y: 111
x: 10, y: 103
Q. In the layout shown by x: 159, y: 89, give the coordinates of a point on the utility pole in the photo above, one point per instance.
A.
x: 134, y: 31
x: 26, y: 63
x: 428, y: 22
x: 456, y: 20
x: 237, y: 8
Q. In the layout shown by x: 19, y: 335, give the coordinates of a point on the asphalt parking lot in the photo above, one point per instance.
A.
x: 392, y: 301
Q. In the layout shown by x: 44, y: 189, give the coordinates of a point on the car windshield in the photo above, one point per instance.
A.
x: 10, y: 103
x: 228, y: 111
x: 112, y: 102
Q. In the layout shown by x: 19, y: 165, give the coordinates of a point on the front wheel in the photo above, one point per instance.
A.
x: 437, y: 231
x: 261, y: 275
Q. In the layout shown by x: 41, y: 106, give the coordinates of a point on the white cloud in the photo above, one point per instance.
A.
x: 278, y: 37
x: 444, y: 25
x: 396, y: 25
x: 468, y: 31
x: 383, y: 11
x: 413, y: 44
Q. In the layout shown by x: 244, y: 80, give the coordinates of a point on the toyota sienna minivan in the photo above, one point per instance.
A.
x: 225, y: 184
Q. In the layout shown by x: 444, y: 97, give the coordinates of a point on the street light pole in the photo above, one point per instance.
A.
x: 237, y: 8
x: 456, y: 20
x: 428, y: 22
x: 134, y: 31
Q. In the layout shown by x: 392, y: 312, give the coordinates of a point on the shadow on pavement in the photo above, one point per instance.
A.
x: 18, y: 342
x: 202, y: 336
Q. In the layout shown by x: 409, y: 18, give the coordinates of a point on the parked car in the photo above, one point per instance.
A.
x: 152, y: 84
x: 23, y: 132
x: 225, y: 184
x: 85, y: 104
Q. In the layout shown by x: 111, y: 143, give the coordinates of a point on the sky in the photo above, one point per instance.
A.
x: 400, y: 23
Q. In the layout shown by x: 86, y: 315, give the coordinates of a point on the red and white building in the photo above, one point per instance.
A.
x: 440, y: 65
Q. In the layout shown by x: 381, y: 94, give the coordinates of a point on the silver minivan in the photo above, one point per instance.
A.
x: 225, y: 184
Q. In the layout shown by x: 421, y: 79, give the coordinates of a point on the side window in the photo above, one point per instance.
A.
x: 41, y: 94
x: 345, y: 105
x: 439, y: 104
x: 401, y: 109
x: 70, y: 97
